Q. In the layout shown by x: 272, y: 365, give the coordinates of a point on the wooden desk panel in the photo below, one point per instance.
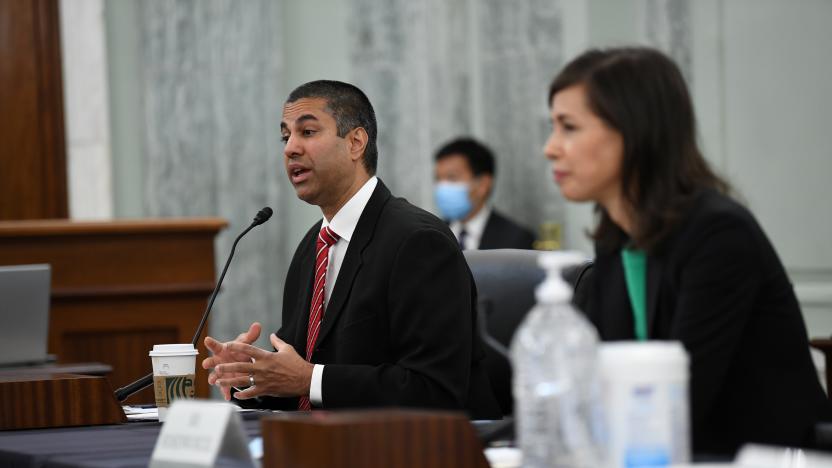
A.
x: 380, y: 438
x: 57, y: 400
x: 120, y: 287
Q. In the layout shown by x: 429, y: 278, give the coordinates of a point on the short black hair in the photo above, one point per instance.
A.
x: 350, y: 108
x: 480, y: 158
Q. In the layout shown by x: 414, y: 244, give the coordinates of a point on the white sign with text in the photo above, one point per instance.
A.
x: 197, y: 432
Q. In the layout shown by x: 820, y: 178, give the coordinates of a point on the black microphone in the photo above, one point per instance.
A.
x: 146, y: 381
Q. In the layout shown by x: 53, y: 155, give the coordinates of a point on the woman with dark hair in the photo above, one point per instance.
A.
x: 676, y: 257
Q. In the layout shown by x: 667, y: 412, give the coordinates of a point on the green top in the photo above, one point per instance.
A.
x: 635, y: 272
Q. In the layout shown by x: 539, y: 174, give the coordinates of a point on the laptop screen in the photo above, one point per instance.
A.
x: 24, y: 313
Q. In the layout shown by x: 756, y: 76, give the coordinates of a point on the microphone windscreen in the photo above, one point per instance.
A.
x: 263, y: 216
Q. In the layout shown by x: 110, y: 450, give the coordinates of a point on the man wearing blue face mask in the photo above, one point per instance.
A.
x: 464, y: 173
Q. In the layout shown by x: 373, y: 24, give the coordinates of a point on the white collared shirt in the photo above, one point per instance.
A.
x: 473, y: 228
x: 343, y: 223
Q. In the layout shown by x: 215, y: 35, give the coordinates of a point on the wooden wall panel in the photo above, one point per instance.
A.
x: 127, y: 350
x: 32, y: 143
x: 120, y: 287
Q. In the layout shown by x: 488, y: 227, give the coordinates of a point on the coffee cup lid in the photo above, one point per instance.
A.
x: 183, y: 349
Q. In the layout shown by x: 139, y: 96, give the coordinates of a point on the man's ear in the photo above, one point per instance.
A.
x: 484, y: 187
x: 357, y: 142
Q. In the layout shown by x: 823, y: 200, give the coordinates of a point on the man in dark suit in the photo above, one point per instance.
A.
x: 378, y: 305
x: 464, y: 181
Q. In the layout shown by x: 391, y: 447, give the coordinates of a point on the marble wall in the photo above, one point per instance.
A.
x: 211, y: 74
x: 86, y: 109
x: 438, y: 69
x: 210, y: 77
x: 667, y: 25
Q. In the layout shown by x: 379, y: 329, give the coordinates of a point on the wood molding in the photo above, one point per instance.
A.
x: 61, y: 227
x: 188, y: 289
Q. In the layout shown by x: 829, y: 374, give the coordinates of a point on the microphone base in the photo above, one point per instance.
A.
x: 124, y: 392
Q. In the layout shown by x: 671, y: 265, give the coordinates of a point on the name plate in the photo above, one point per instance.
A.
x: 197, y: 432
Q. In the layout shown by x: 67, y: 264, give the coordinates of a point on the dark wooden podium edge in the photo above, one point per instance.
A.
x: 57, y: 400
x: 394, y: 438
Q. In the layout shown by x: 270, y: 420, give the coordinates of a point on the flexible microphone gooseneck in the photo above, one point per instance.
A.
x: 146, y: 381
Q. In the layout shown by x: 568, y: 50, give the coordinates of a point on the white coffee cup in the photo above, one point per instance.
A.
x: 174, y: 374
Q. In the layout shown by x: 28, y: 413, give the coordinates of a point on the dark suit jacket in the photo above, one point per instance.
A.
x: 399, y: 328
x: 717, y: 285
x: 503, y: 233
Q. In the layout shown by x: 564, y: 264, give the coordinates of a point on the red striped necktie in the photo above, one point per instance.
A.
x: 326, y: 238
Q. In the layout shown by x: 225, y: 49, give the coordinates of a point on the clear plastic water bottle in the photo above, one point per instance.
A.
x: 556, y: 392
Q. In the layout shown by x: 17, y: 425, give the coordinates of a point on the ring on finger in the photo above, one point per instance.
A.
x: 251, y: 380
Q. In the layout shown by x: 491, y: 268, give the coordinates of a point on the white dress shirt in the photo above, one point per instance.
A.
x: 473, y: 228
x: 343, y: 223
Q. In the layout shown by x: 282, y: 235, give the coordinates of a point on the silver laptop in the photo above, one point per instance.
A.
x: 24, y: 314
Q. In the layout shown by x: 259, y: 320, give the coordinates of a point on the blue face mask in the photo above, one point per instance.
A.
x: 452, y: 200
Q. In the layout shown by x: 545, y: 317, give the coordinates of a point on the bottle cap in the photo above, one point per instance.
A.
x: 554, y: 288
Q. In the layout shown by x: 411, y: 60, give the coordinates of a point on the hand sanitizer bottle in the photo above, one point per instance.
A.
x: 554, y: 356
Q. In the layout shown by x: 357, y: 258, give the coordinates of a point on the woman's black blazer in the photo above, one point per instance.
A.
x: 717, y: 285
